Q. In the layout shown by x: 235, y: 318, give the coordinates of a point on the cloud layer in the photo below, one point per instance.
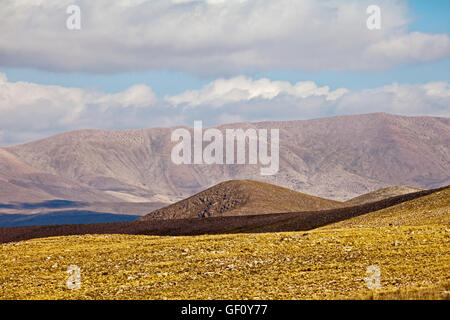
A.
x: 212, y: 37
x: 30, y: 111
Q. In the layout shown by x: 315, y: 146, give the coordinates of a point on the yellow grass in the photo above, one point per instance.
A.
x: 325, y: 264
x: 431, y: 209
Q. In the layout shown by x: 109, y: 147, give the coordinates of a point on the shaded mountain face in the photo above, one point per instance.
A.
x: 63, y: 217
x: 337, y: 158
x: 381, y: 194
x: 242, y: 197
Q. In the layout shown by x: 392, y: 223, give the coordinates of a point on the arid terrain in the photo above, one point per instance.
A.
x: 269, y: 222
x: 242, y: 197
x: 408, y: 243
x: 381, y: 194
x: 224, y: 150
x: 354, y: 194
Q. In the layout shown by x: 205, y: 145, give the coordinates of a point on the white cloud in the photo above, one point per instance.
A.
x: 414, y: 46
x: 244, y: 89
x: 138, y: 96
x: 427, y: 99
x: 216, y: 37
x: 30, y: 111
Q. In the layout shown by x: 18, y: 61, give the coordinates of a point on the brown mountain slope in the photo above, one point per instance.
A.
x: 430, y: 209
x: 19, y: 182
x: 242, y: 197
x: 336, y: 158
x: 381, y: 194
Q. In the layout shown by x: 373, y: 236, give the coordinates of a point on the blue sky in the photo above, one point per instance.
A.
x: 174, y: 82
x: 430, y: 15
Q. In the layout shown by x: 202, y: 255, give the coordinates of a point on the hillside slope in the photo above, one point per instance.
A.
x: 430, y: 209
x: 288, y: 221
x: 242, y: 197
x: 381, y: 194
x: 20, y: 182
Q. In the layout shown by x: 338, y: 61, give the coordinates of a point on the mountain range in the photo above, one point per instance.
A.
x: 130, y: 171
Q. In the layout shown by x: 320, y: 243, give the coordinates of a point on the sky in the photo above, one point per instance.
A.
x: 147, y: 63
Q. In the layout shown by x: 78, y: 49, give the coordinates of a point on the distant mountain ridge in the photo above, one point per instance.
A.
x: 336, y: 158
